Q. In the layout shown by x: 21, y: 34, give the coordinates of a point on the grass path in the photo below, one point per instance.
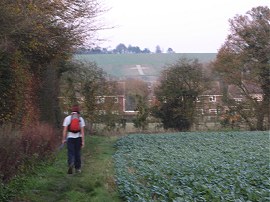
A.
x: 94, y: 184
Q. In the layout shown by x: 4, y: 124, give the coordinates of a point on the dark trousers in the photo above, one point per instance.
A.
x: 74, y: 152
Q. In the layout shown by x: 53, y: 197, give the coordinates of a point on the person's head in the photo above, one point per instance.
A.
x: 75, y: 108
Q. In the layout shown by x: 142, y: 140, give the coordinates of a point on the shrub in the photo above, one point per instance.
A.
x: 21, y: 148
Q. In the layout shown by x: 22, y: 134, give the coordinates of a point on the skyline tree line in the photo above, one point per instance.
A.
x: 121, y: 49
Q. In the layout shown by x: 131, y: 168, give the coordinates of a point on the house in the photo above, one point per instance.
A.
x: 211, y: 107
x: 252, y: 92
x: 209, y: 103
x: 113, y: 103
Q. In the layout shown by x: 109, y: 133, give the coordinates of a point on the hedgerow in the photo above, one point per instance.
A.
x: 21, y: 150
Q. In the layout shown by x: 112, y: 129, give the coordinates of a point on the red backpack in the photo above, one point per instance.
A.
x: 74, y: 125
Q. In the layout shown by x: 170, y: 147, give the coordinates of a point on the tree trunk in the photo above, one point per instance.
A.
x: 261, y: 113
x: 260, y: 120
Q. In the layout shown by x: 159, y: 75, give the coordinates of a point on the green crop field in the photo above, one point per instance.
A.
x: 123, y: 65
x: 198, y: 166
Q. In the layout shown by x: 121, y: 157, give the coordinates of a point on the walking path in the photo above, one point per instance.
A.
x: 95, y: 183
x: 140, y: 69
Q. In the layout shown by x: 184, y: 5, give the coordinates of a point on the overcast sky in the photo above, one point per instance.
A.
x: 186, y: 26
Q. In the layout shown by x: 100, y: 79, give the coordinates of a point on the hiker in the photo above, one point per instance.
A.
x: 73, y: 134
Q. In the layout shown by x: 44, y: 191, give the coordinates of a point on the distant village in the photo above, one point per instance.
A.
x: 211, y: 111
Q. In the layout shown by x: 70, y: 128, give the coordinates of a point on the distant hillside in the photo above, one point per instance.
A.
x: 145, y: 66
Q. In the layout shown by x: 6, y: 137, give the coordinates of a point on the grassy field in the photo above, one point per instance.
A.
x: 120, y: 65
x: 96, y: 182
x: 231, y: 166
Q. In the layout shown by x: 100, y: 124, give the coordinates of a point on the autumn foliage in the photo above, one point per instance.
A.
x: 19, y: 149
x: 244, y: 63
x: 37, y: 39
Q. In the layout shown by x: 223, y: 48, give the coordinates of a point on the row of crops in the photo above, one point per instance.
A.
x: 231, y: 166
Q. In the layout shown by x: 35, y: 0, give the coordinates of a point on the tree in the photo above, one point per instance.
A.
x: 87, y: 84
x: 133, y: 49
x: 36, y: 37
x: 140, y: 121
x: 121, y: 48
x: 82, y: 83
x: 244, y: 62
x: 158, y: 49
x: 170, y: 50
x: 146, y: 50
x: 135, y: 89
x: 180, y: 84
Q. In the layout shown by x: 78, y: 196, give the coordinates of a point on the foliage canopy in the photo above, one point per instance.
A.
x: 244, y: 62
x: 36, y: 38
x: 180, y: 84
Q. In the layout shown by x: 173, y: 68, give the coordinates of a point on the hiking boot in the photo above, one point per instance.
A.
x: 70, y: 169
x: 78, y: 171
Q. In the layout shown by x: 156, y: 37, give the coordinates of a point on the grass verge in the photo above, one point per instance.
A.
x: 95, y: 183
